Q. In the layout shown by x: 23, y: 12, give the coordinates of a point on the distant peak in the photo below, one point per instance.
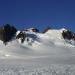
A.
x: 63, y: 29
x: 32, y: 30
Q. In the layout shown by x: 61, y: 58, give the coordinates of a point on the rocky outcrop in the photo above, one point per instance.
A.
x: 32, y: 29
x: 35, y: 30
x: 45, y: 30
x: 22, y: 36
x: 68, y: 35
x: 7, y: 32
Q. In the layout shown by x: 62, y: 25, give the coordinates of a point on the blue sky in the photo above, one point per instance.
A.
x: 38, y: 13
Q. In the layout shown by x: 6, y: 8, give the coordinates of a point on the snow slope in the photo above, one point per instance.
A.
x: 38, y: 45
x: 40, y: 54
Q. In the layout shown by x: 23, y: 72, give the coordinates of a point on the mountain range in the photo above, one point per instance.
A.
x: 30, y: 43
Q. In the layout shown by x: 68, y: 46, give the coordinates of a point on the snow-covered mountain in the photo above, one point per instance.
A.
x: 30, y: 43
x: 30, y: 52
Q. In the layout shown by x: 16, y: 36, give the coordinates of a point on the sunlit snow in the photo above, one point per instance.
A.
x: 39, y: 55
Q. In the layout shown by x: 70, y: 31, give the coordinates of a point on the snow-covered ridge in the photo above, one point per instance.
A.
x: 30, y: 43
x: 51, y: 36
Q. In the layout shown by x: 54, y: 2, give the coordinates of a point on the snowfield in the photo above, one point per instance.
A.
x: 40, y: 54
x: 38, y: 45
x: 35, y: 68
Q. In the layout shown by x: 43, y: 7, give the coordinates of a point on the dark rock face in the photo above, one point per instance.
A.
x: 7, y: 32
x: 74, y: 37
x: 22, y: 36
x: 35, y: 30
x: 25, y: 36
x: 68, y: 35
x: 45, y: 30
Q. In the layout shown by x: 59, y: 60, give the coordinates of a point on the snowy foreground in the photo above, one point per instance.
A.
x: 37, y: 70
x: 29, y: 67
x: 38, y: 66
x: 40, y: 54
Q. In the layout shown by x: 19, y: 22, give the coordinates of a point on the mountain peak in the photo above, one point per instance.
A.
x: 31, y: 41
x: 32, y: 35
